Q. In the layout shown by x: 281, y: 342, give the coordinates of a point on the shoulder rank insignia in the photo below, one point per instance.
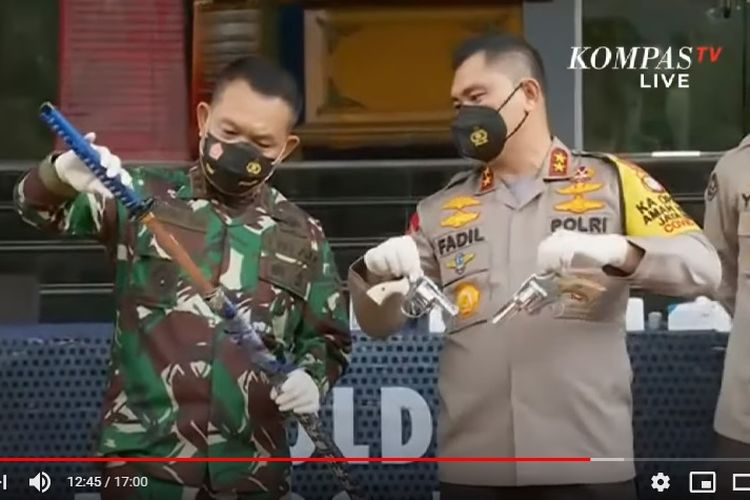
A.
x: 558, y: 163
x: 486, y: 180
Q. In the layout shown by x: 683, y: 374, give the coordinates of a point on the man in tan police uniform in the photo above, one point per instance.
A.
x: 727, y: 226
x: 556, y: 384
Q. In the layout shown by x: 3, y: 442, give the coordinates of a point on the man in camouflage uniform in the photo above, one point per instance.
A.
x: 178, y: 385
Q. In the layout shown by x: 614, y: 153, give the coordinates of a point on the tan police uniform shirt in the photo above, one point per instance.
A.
x: 556, y: 384
x: 727, y: 225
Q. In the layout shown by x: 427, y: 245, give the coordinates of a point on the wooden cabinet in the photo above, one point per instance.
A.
x: 377, y: 75
x: 373, y: 73
x: 223, y: 30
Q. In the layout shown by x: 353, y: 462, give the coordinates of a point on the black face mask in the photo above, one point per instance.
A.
x: 234, y: 168
x: 480, y: 132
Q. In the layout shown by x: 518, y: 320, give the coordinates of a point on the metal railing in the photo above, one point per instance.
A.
x: 100, y: 289
x: 644, y: 158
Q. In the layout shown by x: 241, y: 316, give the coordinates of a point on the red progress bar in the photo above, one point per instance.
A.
x: 295, y: 459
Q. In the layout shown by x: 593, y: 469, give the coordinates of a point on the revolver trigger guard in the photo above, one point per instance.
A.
x: 423, y: 296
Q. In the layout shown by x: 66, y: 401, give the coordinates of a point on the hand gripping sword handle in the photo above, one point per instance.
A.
x: 278, y: 373
x: 90, y: 157
x: 325, y: 446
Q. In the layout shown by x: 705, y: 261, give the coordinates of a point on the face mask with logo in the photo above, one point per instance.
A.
x: 234, y: 168
x: 480, y: 132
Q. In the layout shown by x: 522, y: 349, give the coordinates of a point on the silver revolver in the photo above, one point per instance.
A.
x: 540, y: 290
x: 422, y: 296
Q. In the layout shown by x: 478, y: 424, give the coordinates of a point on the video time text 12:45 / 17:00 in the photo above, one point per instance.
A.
x: 114, y: 481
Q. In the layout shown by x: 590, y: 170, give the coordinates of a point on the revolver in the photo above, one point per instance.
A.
x: 540, y: 290
x: 423, y: 295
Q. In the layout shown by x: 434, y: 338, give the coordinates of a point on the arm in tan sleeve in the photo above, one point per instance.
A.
x: 720, y: 225
x: 383, y: 319
x: 676, y: 257
x: 685, y: 265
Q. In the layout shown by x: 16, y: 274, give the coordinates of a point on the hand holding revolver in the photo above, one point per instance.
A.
x: 399, y: 258
x: 557, y: 255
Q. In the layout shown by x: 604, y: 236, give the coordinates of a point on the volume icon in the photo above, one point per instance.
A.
x: 41, y: 482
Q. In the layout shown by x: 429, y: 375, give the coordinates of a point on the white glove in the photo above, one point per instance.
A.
x: 299, y: 393
x: 396, y: 257
x: 72, y: 171
x: 565, y: 249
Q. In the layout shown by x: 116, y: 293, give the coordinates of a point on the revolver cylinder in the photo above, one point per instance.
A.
x: 423, y: 295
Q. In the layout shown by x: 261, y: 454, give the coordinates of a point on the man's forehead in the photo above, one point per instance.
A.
x: 246, y: 107
x: 477, y: 71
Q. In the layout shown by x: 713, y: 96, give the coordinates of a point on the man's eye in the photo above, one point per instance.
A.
x: 476, y: 97
x: 228, y: 132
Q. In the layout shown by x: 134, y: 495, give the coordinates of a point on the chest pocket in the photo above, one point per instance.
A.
x: 288, y: 261
x: 154, y: 276
x: 464, y: 258
x: 743, y: 234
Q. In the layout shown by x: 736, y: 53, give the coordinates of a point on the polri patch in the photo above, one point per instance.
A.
x: 582, y: 224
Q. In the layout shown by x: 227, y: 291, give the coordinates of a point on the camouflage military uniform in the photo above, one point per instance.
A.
x: 178, y: 386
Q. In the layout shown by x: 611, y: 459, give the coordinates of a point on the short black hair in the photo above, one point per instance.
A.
x: 263, y: 76
x: 496, y: 46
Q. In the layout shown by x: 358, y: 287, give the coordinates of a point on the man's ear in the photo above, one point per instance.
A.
x: 291, y: 144
x: 533, y: 92
x: 201, y: 113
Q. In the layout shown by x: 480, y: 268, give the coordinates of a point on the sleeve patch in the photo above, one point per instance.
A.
x: 649, y: 209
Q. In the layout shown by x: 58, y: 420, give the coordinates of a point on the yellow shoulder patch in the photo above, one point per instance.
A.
x: 649, y: 208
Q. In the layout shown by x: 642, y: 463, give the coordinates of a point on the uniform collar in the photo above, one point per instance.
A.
x: 247, y: 212
x: 555, y: 166
x: 195, y: 188
x: 484, y: 180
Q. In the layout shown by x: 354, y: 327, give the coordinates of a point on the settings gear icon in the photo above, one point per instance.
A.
x: 660, y: 482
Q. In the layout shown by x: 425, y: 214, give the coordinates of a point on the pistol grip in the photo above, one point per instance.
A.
x: 378, y: 293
